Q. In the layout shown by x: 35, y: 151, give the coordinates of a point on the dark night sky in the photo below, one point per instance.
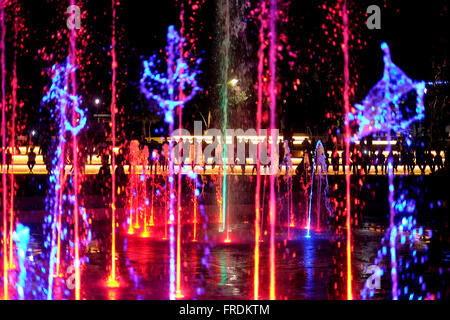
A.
x: 417, y: 33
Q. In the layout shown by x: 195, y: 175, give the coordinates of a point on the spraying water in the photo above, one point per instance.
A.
x: 59, y: 92
x: 76, y: 186
x: 347, y: 147
x: 13, y: 142
x: 274, y: 141
x: 161, y: 88
x: 320, y: 169
x: 21, y: 238
x: 224, y: 106
x: 263, y: 26
x: 112, y: 280
x: 380, y: 112
x: 3, y: 130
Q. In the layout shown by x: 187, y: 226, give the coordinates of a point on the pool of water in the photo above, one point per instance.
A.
x: 306, y: 268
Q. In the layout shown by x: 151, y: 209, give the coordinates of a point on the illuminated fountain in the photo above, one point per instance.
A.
x: 225, y: 63
x: 162, y: 89
x: 267, y: 14
x: 258, y: 220
x: 345, y: 49
x: 137, y: 190
x: 165, y: 224
x: 380, y: 112
x: 113, y: 278
x: 287, y: 162
x: 21, y: 238
x: 319, y: 172
x: 136, y: 184
x: 4, y: 174
x: 62, y: 205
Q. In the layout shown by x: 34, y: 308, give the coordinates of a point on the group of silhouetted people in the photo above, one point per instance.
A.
x: 364, y: 159
x: 31, y: 162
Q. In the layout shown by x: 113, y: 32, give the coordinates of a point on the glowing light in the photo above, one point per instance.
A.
x: 161, y: 88
x: 321, y: 165
x: 381, y: 110
x: 13, y: 141
x: 347, y: 146
x: 21, y: 238
x: 59, y: 92
x: 273, y: 159
x: 112, y: 279
x: 258, y: 161
x: 225, y: 64
x: 112, y: 283
x: 3, y: 132
x: 407, y: 230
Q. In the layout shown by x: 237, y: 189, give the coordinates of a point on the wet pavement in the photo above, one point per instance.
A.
x: 306, y: 268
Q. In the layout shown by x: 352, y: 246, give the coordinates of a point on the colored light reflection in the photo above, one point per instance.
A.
x: 161, y: 87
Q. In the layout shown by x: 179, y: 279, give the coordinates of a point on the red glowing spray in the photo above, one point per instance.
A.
x: 12, y: 144
x: 347, y: 147
x: 274, y: 140
x: 73, y: 61
x: 5, y: 190
x: 112, y: 280
x: 258, y: 160
x: 179, y: 293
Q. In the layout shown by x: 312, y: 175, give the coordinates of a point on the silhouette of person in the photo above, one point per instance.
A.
x: 420, y: 159
x: 154, y: 161
x: 31, y: 159
x: 375, y: 160
x: 121, y: 181
x: 411, y: 163
x: 104, y: 174
x: 359, y: 161
x: 366, y: 160
x: 381, y: 161
x: 8, y: 159
x: 390, y: 159
x: 438, y: 160
x: 120, y: 158
x: 429, y: 160
x: 396, y: 161
x: 164, y: 159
